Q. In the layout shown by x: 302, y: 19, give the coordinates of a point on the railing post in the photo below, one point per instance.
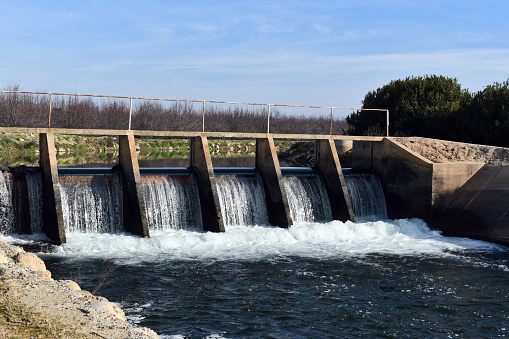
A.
x: 130, y: 111
x: 331, y: 112
x: 49, y: 115
x: 203, y: 118
x: 387, y: 122
x: 268, y: 119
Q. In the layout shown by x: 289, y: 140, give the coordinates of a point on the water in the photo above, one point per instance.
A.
x: 6, y: 213
x: 374, y: 279
x: 242, y: 200
x: 171, y: 202
x: 366, y: 195
x: 385, y: 278
x: 307, y: 198
x: 34, y: 188
x: 92, y: 204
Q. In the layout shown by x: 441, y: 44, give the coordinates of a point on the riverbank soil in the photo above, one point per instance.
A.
x: 451, y: 151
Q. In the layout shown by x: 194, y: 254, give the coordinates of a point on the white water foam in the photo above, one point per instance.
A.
x: 328, y: 240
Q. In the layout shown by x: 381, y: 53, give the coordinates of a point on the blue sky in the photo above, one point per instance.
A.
x: 281, y: 52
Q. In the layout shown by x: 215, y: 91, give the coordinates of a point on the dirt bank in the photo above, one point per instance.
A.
x: 451, y: 151
x: 33, y: 305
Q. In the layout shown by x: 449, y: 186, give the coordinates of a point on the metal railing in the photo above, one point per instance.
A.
x: 332, y: 108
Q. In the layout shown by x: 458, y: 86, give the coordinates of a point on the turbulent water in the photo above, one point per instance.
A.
x: 91, y: 203
x: 242, y: 200
x: 6, y: 215
x: 172, y: 202
x: 375, y: 279
x: 34, y: 188
x: 307, y: 198
x: 366, y: 195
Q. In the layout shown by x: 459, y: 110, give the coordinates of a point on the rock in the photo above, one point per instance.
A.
x: 30, y: 260
x: 3, y: 271
x: 3, y: 259
x: 106, y: 306
x: 85, y: 293
x: 70, y: 284
x: 44, y: 274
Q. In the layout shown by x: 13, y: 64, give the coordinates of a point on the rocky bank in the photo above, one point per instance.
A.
x: 33, y: 305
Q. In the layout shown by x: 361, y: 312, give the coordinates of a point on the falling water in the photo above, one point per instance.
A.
x: 242, y: 200
x: 171, y: 202
x: 34, y: 189
x: 307, y: 198
x: 92, y: 204
x: 367, y: 196
x: 6, y: 215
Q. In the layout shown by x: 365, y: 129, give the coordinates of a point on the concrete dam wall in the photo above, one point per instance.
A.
x: 468, y: 199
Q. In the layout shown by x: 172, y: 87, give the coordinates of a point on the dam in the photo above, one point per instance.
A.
x: 197, y: 196
x: 126, y: 198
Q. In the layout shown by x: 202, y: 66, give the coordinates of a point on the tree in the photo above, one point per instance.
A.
x: 485, y: 120
x: 420, y: 106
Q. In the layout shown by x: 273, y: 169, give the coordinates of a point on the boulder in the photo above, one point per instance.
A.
x: 70, y: 284
x: 109, y: 307
x: 30, y: 260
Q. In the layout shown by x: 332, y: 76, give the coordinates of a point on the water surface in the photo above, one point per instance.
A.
x: 375, y: 279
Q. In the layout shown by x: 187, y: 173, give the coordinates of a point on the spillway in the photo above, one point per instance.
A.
x: 308, y: 201
x: 366, y: 195
x: 6, y: 214
x: 242, y: 200
x: 172, y: 202
x: 92, y: 203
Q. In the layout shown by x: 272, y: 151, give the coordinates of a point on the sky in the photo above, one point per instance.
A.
x: 326, y: 53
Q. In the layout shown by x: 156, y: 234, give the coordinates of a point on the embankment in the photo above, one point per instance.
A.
x: 33, y: 305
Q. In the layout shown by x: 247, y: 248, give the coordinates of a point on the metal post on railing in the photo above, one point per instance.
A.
x: 387, y: 122
x: 268, y: 119
x: 49, y: 113
x: 203, y: 118
x: 130, y: 111
x: 331, y: 112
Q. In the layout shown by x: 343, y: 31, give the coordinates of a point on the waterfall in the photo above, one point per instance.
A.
x: 171, y: 202
x: 367, y: 196
x: 307, y: 198
x: 34, y: 188
x: 6, y: 214
x: 242, y: 200
x: 92, y: 204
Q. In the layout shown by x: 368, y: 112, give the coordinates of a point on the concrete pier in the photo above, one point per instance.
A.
x: 201, y: 166
x: 327, y: 164
x: 135, y: 217
x: 53, y: 220
x: 267, y: 164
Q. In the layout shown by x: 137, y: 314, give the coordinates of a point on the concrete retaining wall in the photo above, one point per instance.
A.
x: 469, y: 199
x: 479, y: 209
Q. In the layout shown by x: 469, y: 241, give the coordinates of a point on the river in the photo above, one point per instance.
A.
x: 393, y: 278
